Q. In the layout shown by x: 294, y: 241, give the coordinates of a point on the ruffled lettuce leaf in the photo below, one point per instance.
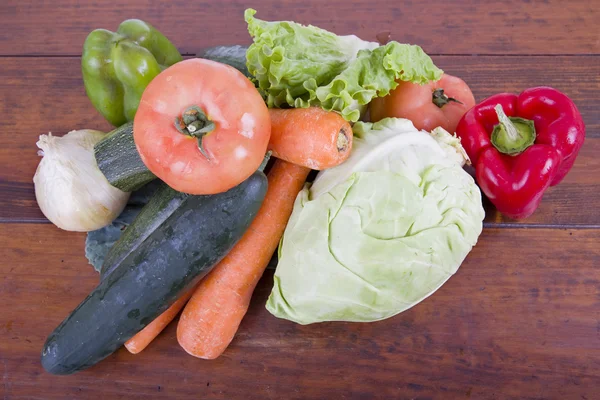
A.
x: 301, y: 66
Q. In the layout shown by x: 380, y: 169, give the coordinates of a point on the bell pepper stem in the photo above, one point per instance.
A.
x: 195, y: 123
x: 512, y: 135
x: 511, y: 131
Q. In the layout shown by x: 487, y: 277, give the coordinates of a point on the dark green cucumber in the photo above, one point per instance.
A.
x: 154, y: 213
x: 143, y: 283
x: 163, y: 205
x: 230, y: 55
x: 118, y: 159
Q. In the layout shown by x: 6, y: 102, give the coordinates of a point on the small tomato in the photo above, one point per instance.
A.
x: 441, y: 103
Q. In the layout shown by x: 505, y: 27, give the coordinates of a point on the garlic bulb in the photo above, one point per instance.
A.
x: 70, y: 189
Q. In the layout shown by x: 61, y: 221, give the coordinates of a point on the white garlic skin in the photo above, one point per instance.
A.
x: 70, y: 189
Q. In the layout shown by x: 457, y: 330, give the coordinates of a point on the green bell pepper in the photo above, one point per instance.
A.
x: 117, y: 67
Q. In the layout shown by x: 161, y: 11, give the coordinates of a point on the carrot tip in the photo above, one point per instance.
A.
x: 133, y: 349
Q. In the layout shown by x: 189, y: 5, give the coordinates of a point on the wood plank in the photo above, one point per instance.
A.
x: 53, y: 87
x: 440, y: 27
x: 510, y: 324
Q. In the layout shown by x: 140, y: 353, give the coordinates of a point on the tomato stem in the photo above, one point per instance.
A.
x: 195, y: 123
x: 440, y: 99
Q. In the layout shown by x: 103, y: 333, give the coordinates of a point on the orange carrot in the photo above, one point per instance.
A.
x: 311, y: 137
x: 144, y: 337
x: 213, y: 314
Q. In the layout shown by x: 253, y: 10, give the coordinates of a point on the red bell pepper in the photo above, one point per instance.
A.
x: 518, y: 157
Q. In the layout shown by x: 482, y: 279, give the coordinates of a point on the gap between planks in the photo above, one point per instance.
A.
x: 486, y: 225
x: 524, y: 225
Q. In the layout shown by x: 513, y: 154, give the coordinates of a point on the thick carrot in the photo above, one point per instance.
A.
x: 213, y: 314
x: 311, y: 137
x: 144, y: 337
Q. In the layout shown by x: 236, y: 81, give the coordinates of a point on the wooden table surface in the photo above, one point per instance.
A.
x: 520, y: 319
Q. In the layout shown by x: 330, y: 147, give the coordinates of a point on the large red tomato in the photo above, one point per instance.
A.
x: 425, y: 105
x: 201, y: 127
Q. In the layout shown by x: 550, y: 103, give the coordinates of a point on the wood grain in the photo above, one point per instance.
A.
x: 520, y: 319
x: 54, y: 89
x: 440, y: 27
x: 525, y: 325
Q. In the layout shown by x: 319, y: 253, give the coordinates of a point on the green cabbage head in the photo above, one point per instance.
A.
x: 381, y: 232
